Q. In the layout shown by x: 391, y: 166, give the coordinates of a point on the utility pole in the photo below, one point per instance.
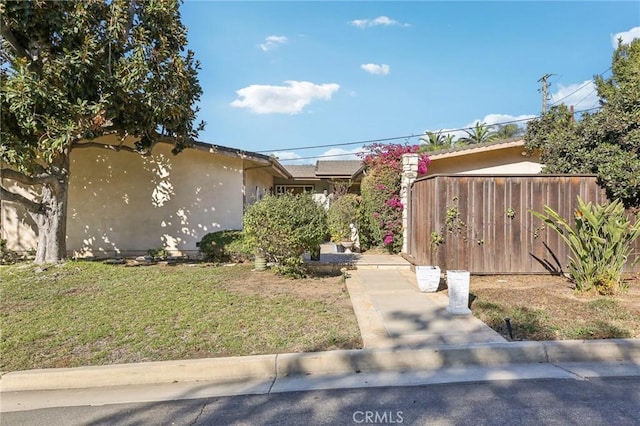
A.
x: 545, y: 86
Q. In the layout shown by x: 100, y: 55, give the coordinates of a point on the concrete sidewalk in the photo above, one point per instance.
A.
x: 393, y: 313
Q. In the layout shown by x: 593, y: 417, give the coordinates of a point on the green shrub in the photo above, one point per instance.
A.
x: 283, y: 227
x: 157, y: 253
x: 7, y: 256
x: 600, y: 244
x: 222, y: 246
x: 341, y: 213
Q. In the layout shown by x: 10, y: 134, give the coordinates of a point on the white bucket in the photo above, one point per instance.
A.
x: 428, y: 278
x: 458, y: 284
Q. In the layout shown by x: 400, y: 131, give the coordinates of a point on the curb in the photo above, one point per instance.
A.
x: 271, y: 367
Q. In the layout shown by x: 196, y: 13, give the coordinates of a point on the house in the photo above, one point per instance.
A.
x: 122, y: 203
x: 501, y: 157
x: 320, y: 177
x: 496, y: 157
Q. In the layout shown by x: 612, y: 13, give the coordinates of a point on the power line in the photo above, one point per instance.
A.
x: 578, y: 89
x: 588, y: 94
x: 341, y: 144
x: 321, y: 156
x: 370, y: 141
x: 387, y: 139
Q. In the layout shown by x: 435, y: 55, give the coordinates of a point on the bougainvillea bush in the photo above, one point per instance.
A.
x: 381, y: 210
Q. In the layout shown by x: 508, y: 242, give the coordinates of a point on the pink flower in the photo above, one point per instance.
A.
x: 388, y: 240
x: 394, y: 202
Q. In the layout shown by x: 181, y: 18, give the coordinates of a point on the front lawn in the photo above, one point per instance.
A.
x: 545, y: 307
x: 90, y: 313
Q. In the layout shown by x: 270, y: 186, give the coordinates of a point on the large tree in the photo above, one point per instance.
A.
x: 75, y: 70
x: 606, y: 142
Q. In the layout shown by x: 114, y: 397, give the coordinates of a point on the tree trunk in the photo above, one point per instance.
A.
x: 52, y: 221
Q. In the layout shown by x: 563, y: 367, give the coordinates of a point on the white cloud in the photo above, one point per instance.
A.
x: 289, y: 99
x: 291, y: 156
x: 581, y: 95
x: 382, y: 69
x: 626, y: 36
x: 492, y: 119
x: 380, y: 20
x: 272, y: 42
x: 341, y: 154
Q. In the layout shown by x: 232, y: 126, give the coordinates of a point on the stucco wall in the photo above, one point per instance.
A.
x: 257, y: 184
x: 16, y: 223
x: 502, y: 161
x: 123, y: 203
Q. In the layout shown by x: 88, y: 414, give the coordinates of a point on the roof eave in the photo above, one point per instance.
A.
x: 477, y: 149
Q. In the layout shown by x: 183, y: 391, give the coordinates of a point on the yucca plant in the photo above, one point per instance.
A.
x: 600, y: 243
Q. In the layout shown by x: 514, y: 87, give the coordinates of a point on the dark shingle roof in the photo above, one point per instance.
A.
x: 299, y: 172
x: 326, y: 169
x: 347, y: 168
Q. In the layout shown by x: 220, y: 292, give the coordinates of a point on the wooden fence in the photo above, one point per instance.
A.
x: 483, y: 223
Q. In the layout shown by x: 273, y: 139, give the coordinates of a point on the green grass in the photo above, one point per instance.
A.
x: 596, y: 319
x: 89, y: 313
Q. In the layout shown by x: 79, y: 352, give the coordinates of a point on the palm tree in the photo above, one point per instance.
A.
x: 507, y: 131
x: 479, y: 134
x: 449, y: 140
x: 435, y: 141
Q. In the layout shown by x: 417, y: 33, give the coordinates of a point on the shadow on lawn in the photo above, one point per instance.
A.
x: 533, y: 324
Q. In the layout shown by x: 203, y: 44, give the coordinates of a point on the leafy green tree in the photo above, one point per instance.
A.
x: 606, y: 142
x: 480, y: 133
x: 75, y: 70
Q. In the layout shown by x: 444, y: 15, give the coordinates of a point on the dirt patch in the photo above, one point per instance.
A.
x: 266, y: 283
x: 544, y: 307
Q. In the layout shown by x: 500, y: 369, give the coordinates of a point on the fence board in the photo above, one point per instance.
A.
x: 494, y: 231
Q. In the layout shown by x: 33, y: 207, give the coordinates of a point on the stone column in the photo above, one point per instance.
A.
x: 409, y: 175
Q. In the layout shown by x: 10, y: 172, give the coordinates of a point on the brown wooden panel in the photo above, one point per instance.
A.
x: 485, y: 238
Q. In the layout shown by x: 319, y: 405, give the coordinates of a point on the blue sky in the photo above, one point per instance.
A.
x: 280, y: 76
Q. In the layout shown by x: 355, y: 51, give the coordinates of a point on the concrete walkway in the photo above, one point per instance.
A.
x: 393, y: 313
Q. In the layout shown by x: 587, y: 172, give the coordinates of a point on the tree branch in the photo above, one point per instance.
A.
x: 6, y: 33
x: 105, y: 146
x: 132, y: 11
x: 39, y: 179
x: 28, y: 204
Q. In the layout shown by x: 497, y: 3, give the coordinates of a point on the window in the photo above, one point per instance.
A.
x: 293, y: 189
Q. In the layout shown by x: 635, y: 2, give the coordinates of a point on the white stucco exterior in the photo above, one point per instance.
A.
x: 499, y: 159
x: 121, y: 203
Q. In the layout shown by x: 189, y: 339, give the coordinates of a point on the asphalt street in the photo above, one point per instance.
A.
x: 596, y: 401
